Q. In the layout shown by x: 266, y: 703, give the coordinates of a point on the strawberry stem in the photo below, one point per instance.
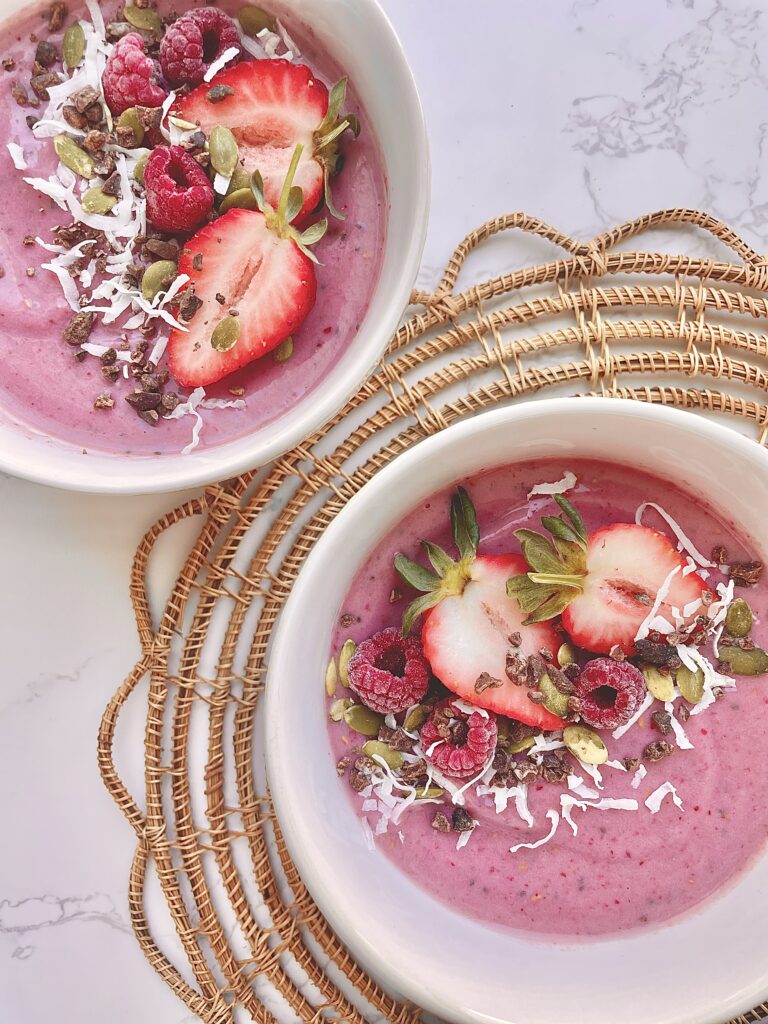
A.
x: 553, y: 580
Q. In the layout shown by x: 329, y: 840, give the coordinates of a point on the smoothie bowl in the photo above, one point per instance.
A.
x: 525, y: 668
x: 211, y: 222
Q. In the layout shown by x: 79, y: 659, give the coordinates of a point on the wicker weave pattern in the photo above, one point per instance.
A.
x: 640, y: 322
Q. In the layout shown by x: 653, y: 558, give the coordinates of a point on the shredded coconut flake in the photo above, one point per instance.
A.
x: 222, y: 62
x: 469, y: 709
x: 618, y: 733
x: 681, y: 737
x: 638, y: 777
x: 654, y: 801
x: 17, y: 155
x: 554, y: 817
x: 684, y: 540
x: 567, y: 483
x: 466, y: 835
x: 646, y: 624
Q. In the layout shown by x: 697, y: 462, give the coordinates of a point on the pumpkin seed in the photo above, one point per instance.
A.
x: 415, y: 718
x: 143, y: 18
x: 130, y: 119
x: 554, y: 701
x: 429, y: 793
x: 331, y: 676
x: 96, y: 201
x: 242, y: 199
x: 73, y: 45
x: 225, y: 334
x: 284, y: 351
x: 363, y: 720
x: 339, y: 708
x: 585, y: 744
x: 240, y: 179
x: 738, y: 620
x: 348, y: 649
x: 690, y: 684
x: 520, y: 745
x: 744, y: 663
x: 566, y: 655
x: 391, y: 757
x: 157, y: 277
x: 182, y: 124
x: 139, y: 167
x: 73, y: 157
x: 253, y: 20
x: 659, y: 686
x: 223, y: 149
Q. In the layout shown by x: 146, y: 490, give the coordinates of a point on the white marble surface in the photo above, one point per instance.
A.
x: 584, y: 113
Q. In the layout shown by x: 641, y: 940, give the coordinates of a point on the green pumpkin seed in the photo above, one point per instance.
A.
x: 585, y: 744
x: 73, y: 45
x: 95, y: 201
x: 240, y: 179
x: 339, y: 708
x: 429, y: 793
x: 143, y: 18
x: 284, y: 351
x: 363, y: 720
x: 346, y: 653
x: 130, y: 119
x: 520, y: 745
x: 253, y: 20
x: 690, y: 684
x: 223, y: 149
x: 554, y: 701
x: 393, y: 758
x: 157, y: 278
x: 744, y: 663
x: 182, y: 124
x: 225, y: 334
x: 565, y: 655
x: 659, y: 686
x: 331, y: 675
x: 738, y: 620
x: 242, y: 199
x: 415, y: 718
x: 139, y: 167
x: 73, y: 157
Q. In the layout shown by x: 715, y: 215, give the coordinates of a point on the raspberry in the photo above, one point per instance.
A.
x: 389, y: 672
x: 456, y: 743
x: 194, y: 42
x: 179, y: 194
x: 610, y: 692
x: 132, y: 78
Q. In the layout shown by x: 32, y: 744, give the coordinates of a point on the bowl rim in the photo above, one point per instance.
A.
x: 314, y: 871
x: 105, y: 473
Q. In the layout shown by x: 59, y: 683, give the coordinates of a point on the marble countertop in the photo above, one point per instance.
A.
x: 584, y: 113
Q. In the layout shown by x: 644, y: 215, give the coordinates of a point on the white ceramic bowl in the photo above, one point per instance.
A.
x: 708, y: 966
x: 359, y: 36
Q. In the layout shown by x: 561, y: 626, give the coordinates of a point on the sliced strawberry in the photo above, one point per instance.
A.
x: 468, y: 634
x: 626, y: 567
x: 274, y: 106
x: 265, y: 277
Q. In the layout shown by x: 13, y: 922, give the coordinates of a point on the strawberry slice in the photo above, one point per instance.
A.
x: 604, y: 584
x: 254, y: 280
x: 273, y: 107
x: 626, y: 567
x: 470, y: 620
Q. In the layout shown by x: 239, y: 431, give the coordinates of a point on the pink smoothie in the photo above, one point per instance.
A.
x: 625, y: 869
x: 44, y: 389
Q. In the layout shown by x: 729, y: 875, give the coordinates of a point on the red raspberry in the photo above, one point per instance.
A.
x: 179, y: 194
x: 389, y: 672
x: 132, y: 78
x: 194, y: 42
x: 610, y: 692
x: 462, y: 743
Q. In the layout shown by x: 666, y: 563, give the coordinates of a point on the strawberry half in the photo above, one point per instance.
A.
x: 275, y: 106
x: 603, y: 584
x: 262, y: 269
x: 470, y: 619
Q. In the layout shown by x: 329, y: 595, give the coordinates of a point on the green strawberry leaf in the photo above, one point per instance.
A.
x: 539, y: 552
x: 441, y: 560
x: 576, y: 521
x: 559, y: 529
x: 529, y: 595
x: 417, y: 607
x: 555, y: 604
x: 466, y: 532
x: 415, y: 575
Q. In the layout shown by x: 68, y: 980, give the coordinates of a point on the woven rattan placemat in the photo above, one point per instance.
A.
x: 247, y: 941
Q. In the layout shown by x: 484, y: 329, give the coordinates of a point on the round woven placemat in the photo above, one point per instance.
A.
x: 249, y: 943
